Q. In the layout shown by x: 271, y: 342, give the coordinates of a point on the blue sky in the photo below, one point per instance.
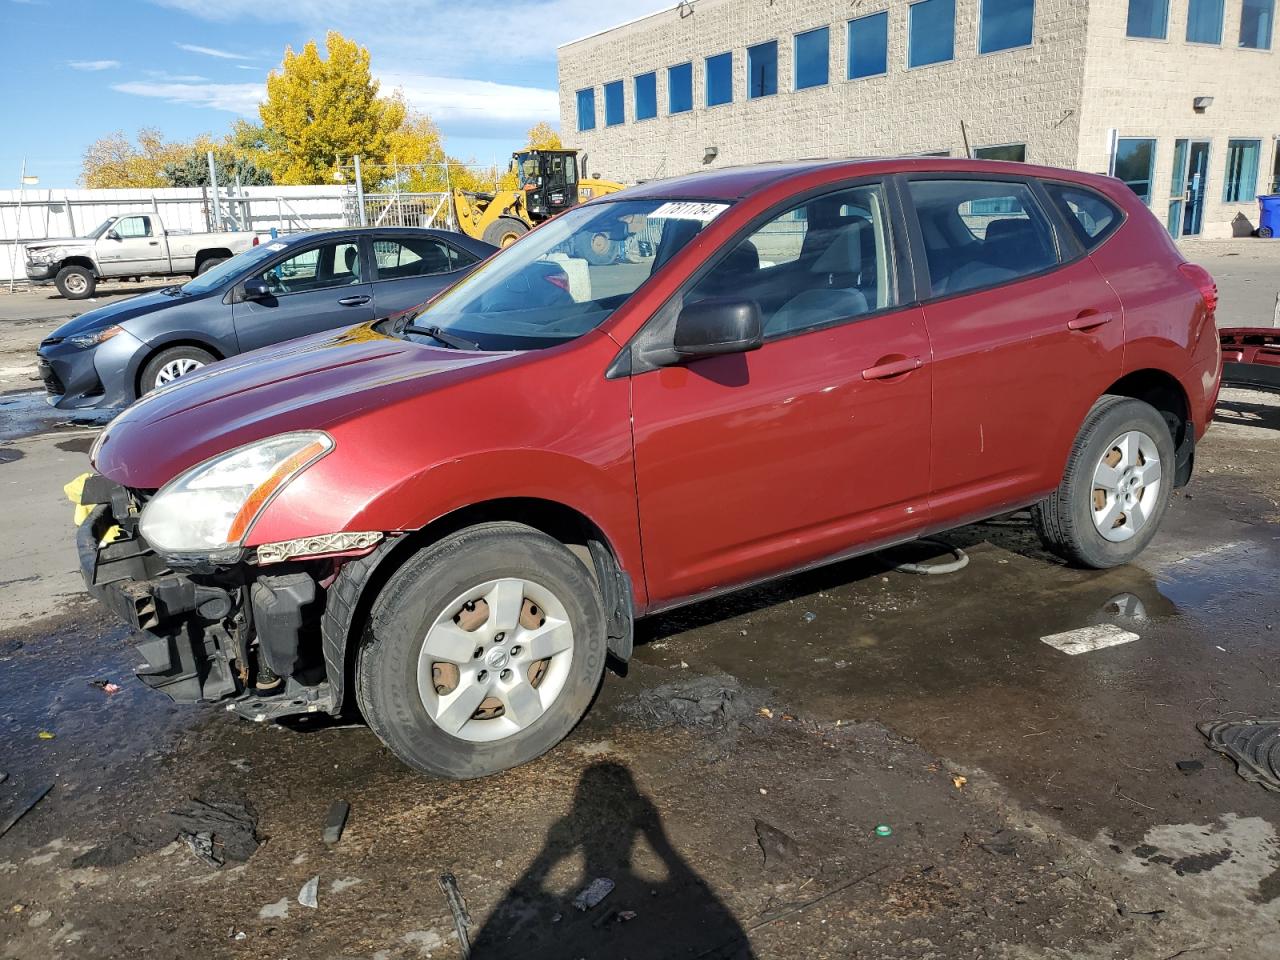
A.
x: 76, y: 70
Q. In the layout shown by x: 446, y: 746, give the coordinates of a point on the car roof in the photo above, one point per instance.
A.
x: 737, y: 183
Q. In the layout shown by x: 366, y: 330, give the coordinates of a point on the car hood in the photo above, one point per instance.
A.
x: 55, y: 242
x: 307, y: 384
x: 119, y: 312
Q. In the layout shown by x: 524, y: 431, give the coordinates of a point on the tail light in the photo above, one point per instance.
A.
x: 1205, y: 282
x: 560, y: 280
x: 256, y: 240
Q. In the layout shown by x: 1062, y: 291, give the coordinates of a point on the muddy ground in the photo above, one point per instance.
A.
x: 730, y: 786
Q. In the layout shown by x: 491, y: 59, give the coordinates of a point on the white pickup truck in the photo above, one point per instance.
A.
x: 128, y: 245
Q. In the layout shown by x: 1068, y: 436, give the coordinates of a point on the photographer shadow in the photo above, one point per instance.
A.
x: 642, y: 918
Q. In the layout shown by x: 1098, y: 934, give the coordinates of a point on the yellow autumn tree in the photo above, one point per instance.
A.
x: 320, y: 111
x: 115, y: 161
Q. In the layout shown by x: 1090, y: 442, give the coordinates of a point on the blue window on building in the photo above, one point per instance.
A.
x: 615, y: 112
x: 1006, y: 24
x: 813, y: 49
x: 869, y: 45
x: 762, y: 70
x: 1148, y: 19
x: 646, y: 96
x: 587, y: 109
x: 719, y: 79
x: 1242, y: 171
x: 1204, y: 21
x: 680, y: 88
x: 1257, y: 18
x: 931, y: 32
x: 1135, y: 165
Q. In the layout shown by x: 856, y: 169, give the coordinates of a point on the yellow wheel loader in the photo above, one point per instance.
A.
x: 548, y: 184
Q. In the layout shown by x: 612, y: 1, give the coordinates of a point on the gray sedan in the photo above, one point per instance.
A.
x: 278, y: 290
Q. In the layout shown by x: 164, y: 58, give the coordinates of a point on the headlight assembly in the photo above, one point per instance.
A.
x: 96, y: 337
x: 209, y: 510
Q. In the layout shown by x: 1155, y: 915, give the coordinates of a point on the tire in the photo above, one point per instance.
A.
x: 597, y: 249
x: 505, y: 231
x: 406, y: 701
x: 171, y: 364
x: 76, y: 283
x: 1072, y: 521
x: 1266, y: 233
x: 209, y: 263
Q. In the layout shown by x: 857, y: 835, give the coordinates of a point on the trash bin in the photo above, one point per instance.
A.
x: 1269, y: 215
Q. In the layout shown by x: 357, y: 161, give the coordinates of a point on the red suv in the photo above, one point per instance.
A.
x: 451, y: 519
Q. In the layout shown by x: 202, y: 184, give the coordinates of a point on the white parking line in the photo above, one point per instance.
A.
x: 1088, y: 639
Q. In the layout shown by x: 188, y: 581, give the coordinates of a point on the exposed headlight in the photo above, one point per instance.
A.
x: 95, y: 338
x: 40, y: 256
x: 210, y: 509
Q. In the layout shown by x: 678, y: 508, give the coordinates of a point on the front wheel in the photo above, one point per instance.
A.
x: 505, y: 231
x: 1115, y: 489
x: 482, y: 652
x: 171, y: 364
x: 76, y: 283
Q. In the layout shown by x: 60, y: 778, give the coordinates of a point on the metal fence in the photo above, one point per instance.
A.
x: 41, y: 214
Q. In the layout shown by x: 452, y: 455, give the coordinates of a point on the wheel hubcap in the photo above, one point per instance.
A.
x: 495, y: 660
x: 174, y: 369
x: 1126, y: 486
x: 76, y: 283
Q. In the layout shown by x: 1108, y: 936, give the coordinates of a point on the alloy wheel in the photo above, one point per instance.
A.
x: 174, y: 369
x: 495, y: 660
x: 1126, y: 486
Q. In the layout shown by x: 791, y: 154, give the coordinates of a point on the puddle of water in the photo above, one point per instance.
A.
x: 1220, y: 580
x: 27, y: 413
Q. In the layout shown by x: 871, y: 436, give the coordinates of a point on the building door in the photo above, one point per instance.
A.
x: 1187, y: 192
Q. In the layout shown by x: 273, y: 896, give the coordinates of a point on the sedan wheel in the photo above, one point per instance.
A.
x: 495, y: 659
x: 174, y: 369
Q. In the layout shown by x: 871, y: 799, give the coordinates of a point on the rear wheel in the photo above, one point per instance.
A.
x: 482, y: 652
x: 209, y: 263
x: 1115, y: 489
x: 1266, y: 233
x: 171, y: 364
x: 505, y: 231
x: 75, y: 283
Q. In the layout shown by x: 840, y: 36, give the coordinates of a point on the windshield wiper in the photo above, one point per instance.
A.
x: 448, y: 339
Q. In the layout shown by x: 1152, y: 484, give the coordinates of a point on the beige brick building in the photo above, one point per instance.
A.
x: 1179, y: 98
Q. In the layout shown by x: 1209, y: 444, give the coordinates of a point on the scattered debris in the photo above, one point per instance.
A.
x: 778, y: 848
x: 1189, y: 766
x: 3, y: 776
x: 613, y: 917
x: 1000, y: 845
x: 23, y: 807
x: 336, y: 821
x: 1155, y: 915
x: 591, y: 895
x: 275, y: 911
x: 307, y: 896
x: 959, y: 781
x: 1252, y: 744
x: 809, y: 616
x: 717, y: 700
x: 457, y: 907
x: 1088, y: 639
x: 201, y: 845
x: 960, y: 561
x: 232, y: 830
x: 106, y: 686
x: 765, y: 712
x: 884, y: 830
x: 46, y: 735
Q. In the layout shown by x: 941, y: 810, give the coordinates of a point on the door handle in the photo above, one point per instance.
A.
x: 1090, y: 320
x: 894, y: 368
x: 153, y: 243
x: 353, y: 301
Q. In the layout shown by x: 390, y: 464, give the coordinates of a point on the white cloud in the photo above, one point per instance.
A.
x: 93, y: 64
x: 449, y: 101
x: 460, y: 35
x: 167, y: 77
x: 241, y: 98
x: 211, y: 52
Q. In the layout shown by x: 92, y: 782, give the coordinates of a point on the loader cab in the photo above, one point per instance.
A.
x: 549, y: 180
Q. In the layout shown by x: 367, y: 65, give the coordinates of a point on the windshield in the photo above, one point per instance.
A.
x: 102, y: 228
x: 215, y: 277
x: 565, y: 278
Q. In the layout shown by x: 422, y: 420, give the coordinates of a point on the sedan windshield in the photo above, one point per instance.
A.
x: 215, y: 277
x: 565, y: 278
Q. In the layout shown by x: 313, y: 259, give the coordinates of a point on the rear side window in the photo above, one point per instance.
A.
x: 416, y: 257
x: 980, y: 233
x: 1091, y: 216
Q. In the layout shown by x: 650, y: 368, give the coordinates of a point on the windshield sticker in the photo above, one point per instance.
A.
x: 689, y: 210
x: 275, y: 246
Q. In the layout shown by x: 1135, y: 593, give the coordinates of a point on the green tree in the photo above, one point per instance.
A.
x: 193, y: 170
x: 115, y: 161
x: 321, y: 111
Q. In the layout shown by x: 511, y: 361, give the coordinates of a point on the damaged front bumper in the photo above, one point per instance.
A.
x: 227, y: 632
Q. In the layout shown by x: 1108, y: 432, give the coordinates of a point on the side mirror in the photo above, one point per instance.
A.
x: 255, y: 288
x: 714, y: 327
x: 112, y: 235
